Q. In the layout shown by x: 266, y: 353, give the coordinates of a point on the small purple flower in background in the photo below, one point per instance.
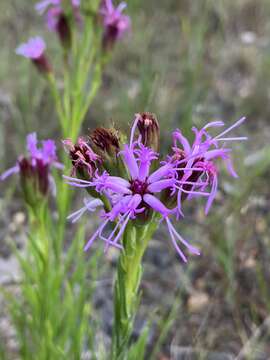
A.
x: 115, y: 23
x: 42, y: 6
x: 34, y: 50
x: 189, y: 171
x: 35, y: 169
x: 56, y: 18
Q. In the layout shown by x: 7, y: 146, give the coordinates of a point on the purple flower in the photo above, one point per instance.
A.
x: 189, y: 171
x: 34, y: 169
x: 34, y: 50
x: 42, y: 6
x: 196, y: 170
x: 115, y: 23
x: 56, y: 18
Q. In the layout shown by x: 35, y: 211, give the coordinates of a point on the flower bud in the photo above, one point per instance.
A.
x: 84, y: 160
x: 115, y: 23
x: 34, y: 181
x: 106, y: 143
x: 63, y: 30
x: 149, y: 130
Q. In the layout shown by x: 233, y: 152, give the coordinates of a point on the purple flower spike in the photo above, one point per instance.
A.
x: 115, y: 23
x: 34, y: 50
x: 34, y: 169
x: 191, y: 170
x: 56, y: 18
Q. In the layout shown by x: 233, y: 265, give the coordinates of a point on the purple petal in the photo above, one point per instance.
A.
x: 177, y: 135
x: 129, y: 160
x: 33, y: 49
x: 161, y: 185
x: 14, y: 170
x: 213, y: 124
x: 212, y: 195
x: 165, y: 170
x: 95, y: 235
x: 156, y: 205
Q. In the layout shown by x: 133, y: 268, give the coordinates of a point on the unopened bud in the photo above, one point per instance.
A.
x: 106, y: 143
x: 63, y: 30
x: 35, y: 181
x: 84, y: 160
x: 115, y: 23
x: 42, y: 64
x: 149, y: 130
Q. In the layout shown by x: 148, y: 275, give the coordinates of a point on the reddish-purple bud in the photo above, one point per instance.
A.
x: 42, y: 64
x: 63, y: 30
x: 34, y: 180
x: 149, y: 130
x: 107, y: 143
x: 84, y: 160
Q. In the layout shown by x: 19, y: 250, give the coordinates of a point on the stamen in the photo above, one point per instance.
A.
x: 193, y: 192
x: 238, y: 123
x: 133, y: 129
x: 179, y: 251
x: 242, y: 138
x: 95, y: 235
x: 77, y: 180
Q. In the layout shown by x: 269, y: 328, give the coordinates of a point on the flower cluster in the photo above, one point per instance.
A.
x: 34, y: 169
x: 60, y: 15
x: 151, y: 189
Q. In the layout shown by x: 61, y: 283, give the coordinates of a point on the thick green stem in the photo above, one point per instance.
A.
x: 126, y: 291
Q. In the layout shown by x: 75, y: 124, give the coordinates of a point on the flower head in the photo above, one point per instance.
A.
x: 148, y: 192
x: 84, y: 159
x: 42, y: 6
x: 115, y: 23
x: 34, y: 169
x: 34, y: 50
x: 57, y: 19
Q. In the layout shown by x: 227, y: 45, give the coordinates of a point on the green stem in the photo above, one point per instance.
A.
x: 126, y: 290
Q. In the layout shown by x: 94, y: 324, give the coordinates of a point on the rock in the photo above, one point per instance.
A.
x: 9, y: 270
x: 197, y: 301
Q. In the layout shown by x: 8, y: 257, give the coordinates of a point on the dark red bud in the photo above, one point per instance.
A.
x: 43, y: 64
x: 148, y: 127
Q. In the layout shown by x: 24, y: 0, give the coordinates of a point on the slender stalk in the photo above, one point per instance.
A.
x: 126, y: 290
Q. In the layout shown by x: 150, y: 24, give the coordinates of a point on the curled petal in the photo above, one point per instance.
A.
x: 14, y: 170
